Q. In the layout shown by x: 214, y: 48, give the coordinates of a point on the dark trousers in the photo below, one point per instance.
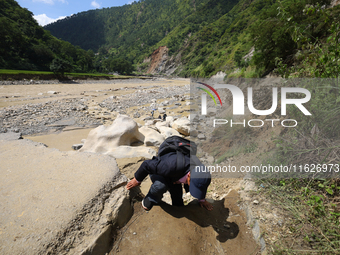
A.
x: 160, y: 185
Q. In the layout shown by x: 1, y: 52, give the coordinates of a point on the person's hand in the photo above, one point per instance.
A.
x: 205, y: 204
x: 131, y: 184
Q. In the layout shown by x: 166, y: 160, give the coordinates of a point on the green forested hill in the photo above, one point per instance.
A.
x: 26, y: 45
x: 246, y: 38
x: 134, y: 31
x: 128, y: 30
x: 207, y: 35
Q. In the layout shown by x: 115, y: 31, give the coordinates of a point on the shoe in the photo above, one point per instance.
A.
x: 147, y: 204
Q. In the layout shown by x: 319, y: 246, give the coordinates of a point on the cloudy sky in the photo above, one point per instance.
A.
x: 47, y: 11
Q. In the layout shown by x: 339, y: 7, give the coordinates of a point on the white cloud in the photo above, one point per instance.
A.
x: 51, y: 2
x: 44, y: 20
x: 45, y: 1
x: 95, y: 4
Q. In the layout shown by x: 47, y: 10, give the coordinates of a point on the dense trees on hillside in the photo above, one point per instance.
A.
x: 127, y: 31
x: 286, y: 27
x: 280, y: 34
x: 206, y: 36
x: 26, y: 45
x: 134, y: 31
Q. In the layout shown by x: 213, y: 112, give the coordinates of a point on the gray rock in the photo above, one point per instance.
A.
x: 164, y: 103
x: 182, y: 125
x: 161, y: 110
x: 147, y: 118
x: 167, y: 132
x: 77, y: 146
x: 136, y: 115
x: 201, y: 137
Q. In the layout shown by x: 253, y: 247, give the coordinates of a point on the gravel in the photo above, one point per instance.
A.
x: 37, y: 118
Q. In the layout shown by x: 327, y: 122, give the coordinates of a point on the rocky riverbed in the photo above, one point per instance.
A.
x: 88, y: 108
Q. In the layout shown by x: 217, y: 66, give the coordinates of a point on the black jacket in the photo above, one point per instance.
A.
x: 165, y: 166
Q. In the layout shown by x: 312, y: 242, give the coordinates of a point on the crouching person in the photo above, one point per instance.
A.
x: 168, y: 173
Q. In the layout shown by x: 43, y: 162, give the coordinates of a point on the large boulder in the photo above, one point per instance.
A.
x: 116, y: 140
x: 182, y: 125
x: 152, y: 137
x: 123, y: 131
x: 166, y: 132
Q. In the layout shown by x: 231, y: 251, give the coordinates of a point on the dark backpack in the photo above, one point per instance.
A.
x: 179, y: 145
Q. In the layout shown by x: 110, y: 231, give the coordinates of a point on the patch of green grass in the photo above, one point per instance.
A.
x: 314, y: 217
x: 73, y: 75
x: 7, y: 71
